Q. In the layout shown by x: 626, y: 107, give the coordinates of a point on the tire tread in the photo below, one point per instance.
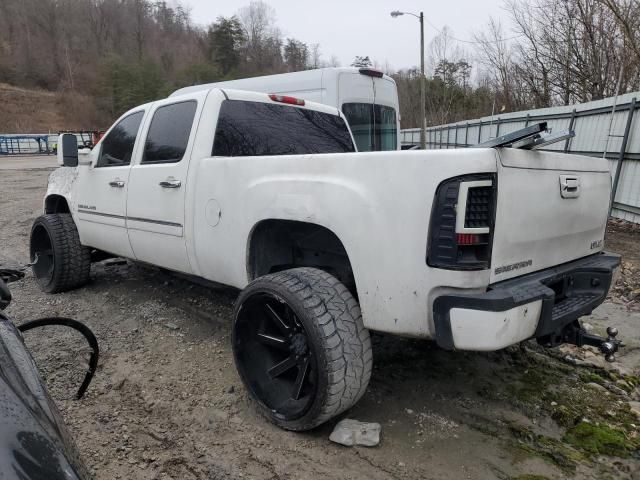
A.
x: 72, y: 259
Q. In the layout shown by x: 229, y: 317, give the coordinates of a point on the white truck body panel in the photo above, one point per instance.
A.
x: 378, y: 204
x: 527, y: 237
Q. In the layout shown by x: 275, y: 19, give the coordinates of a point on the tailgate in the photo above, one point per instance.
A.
x: 551, y: 208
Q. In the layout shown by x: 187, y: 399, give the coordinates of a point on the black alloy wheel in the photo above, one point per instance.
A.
x: 276, y: 356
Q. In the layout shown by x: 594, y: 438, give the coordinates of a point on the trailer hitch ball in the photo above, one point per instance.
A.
x: 609, y: 350
x: 610, y: 346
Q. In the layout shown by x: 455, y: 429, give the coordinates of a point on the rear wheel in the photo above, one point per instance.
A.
x: 60, y: 262
x: 300, y: 347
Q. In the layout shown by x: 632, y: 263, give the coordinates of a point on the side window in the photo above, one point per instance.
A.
x: 169, y: 133
x: 117, y: 147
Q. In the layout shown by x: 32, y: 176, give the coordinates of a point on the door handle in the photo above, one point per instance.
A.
x: 170, y: 183
x: 569, y: 186
x: 116, y: 183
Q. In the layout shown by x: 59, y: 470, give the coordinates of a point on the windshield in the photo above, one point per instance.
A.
x: 373, y: 126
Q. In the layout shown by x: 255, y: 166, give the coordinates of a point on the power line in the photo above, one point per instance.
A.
x: 471, y: 41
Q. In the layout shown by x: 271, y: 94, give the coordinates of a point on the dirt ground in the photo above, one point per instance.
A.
x: 166, y: 401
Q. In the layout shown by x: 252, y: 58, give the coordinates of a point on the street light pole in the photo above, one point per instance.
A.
x: 423, y: 79
x: 423, y: 88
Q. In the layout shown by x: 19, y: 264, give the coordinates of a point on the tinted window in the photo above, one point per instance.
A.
x: 385, y: 128
x: 169, y: 133
x: 360, y: 118
x: 117, y: 147
x: 254, y: 128
x: 373, y: 126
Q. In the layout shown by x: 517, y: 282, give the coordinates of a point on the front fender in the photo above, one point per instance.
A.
x: 61, y: 182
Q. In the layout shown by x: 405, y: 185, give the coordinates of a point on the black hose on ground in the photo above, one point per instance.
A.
x: 80, y: 327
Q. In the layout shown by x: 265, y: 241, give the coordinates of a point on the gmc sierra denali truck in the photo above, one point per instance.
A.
x: 478, y: 248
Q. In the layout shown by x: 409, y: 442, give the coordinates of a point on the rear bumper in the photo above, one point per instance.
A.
x: 537, y: 305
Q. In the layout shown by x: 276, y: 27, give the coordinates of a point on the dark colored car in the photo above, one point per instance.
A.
x: 34, y: 442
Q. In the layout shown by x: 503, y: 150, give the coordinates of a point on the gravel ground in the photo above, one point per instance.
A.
x: 166, y: 401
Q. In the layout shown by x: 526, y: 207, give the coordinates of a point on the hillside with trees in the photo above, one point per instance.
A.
x: 122, y: 53
x: 97, y: 58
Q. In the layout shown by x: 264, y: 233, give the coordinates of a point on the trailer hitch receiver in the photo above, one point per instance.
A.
x: 609, y: 345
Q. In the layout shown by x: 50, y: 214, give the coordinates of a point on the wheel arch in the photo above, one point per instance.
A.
x: 278, y: 244
x: 56, y: 203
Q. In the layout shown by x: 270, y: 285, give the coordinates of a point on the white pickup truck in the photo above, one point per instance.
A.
x: 478, y: 249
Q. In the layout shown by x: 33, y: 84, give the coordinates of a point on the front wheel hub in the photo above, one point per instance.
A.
x: 298, y: 344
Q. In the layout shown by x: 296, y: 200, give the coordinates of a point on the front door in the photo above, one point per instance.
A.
x: 102, y: 189
x: 157, y: 185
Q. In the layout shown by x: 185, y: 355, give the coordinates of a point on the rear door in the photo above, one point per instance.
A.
x: 552, y: 208
x: 368, y: 102
x: 387, y: 117
x: 355, y: 93
x: 157, y: 183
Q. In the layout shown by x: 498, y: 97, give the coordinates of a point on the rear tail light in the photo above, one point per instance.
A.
x: 286, y: 99
x: 470, y: 239
x: 461, y: 229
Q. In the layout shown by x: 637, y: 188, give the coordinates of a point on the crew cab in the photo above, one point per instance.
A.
x: 478, y: 248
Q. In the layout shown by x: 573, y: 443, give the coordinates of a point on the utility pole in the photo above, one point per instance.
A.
x: 423, y: 78
x: 423, y: 89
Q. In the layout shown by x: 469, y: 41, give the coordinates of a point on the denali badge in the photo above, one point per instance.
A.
x: 596, y: 244
x: 513, y: 266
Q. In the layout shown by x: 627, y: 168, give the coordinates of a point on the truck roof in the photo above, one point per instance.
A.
x: 280, y: 79
x: 248, y: 96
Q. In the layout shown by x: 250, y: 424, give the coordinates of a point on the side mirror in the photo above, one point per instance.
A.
x: 68, y: 150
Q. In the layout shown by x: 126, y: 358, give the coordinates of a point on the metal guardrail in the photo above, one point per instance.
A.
x: 43, y: 143
x: 25, y: 145
x: 593, y: 137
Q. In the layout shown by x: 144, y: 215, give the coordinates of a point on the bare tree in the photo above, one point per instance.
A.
x: 264, y: 40
x: 316, y: 56
x: 497, y: 56
x: 627, y: 15
x: 566, y: 51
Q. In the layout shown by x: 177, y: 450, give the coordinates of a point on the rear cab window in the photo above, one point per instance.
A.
x: 255, y: 129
